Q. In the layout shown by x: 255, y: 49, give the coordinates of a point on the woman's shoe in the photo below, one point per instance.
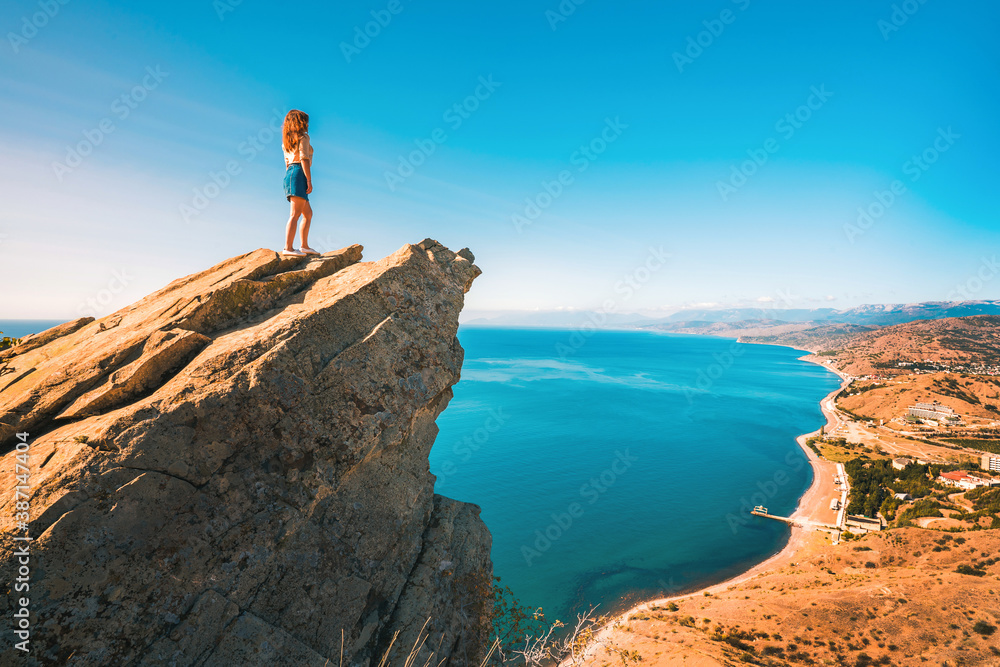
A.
x: 292, y: 253
x: 309, y: 251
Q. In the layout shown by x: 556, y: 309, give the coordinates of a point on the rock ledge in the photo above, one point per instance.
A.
x: 233, y: 470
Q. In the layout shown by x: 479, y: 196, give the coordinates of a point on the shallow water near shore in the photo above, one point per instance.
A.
x: 621, y: 466
x: 22, y: 328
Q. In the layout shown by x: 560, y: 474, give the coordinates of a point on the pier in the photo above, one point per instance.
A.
x: 761, y: 511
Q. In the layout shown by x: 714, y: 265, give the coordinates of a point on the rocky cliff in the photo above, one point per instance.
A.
x: 233, y: 471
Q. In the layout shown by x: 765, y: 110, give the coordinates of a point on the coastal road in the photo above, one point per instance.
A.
x: 845, y: 490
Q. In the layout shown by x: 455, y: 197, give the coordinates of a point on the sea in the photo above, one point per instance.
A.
x: 21, y: 328
x: 614, y: 467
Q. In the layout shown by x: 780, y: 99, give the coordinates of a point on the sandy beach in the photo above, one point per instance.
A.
x: 813, y: 507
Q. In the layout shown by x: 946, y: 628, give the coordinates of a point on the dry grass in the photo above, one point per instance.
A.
x: 892, y: 398
x: 890, y: 596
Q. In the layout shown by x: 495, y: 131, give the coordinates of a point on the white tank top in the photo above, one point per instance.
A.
x: 304, y: 151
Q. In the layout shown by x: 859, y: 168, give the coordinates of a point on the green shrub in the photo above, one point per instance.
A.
x: 5, y: 342
x: 512, y: 621
x: 921, y: 508
x: 984, y: 628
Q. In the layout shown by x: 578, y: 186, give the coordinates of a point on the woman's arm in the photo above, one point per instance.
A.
x: 307, y: 170
x: 306, y: 149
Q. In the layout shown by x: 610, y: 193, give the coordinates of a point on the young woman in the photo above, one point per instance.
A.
x: 298, y: 179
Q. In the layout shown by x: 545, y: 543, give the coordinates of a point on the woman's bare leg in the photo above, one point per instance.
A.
x: 307, y: 216
x: 293, y: 221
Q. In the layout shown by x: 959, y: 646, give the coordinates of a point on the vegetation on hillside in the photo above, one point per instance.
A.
x: 948, y: 386
x: 513, y: 622
x: 873, y: 484
x: 5, y: 342
x: 522, y: 636
x: 890, y: 598
x: 985, y: 503
x: 985, y: 499
x: 992, y: 446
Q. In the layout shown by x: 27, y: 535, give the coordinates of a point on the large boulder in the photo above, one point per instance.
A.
x: 233, y: 471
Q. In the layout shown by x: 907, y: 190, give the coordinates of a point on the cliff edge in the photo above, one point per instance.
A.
x: 233, y: 470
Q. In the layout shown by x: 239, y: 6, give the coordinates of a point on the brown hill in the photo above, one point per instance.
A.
x: 958, y: 341
x: 975, y: 397
x: 891, y: 598
x: 864, y: 350
x: 821, y: 338
x: 752, y: 328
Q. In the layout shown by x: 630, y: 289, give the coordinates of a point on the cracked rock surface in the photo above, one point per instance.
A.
x: 233, y: 470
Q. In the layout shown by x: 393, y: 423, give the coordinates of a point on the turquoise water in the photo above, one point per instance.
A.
x: 621, y: 466
x: 21, y: 328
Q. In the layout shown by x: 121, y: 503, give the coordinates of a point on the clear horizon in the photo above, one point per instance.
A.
x: 588, y: 318
x: 658, y: 157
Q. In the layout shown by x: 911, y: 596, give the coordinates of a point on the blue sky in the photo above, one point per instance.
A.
x: 203, y: 80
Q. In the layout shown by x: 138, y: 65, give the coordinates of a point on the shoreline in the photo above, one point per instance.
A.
x: 808, y: 503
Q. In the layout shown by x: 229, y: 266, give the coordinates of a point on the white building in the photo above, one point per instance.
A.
x: 962, y: 479
x: 900, y: 463
x: 991, y: 462
x: 862, y: 523
x: 933, y: 411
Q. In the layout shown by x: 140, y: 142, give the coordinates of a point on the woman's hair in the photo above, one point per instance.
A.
x: 296, y: 124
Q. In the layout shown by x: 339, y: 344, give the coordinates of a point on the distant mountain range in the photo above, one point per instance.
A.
x: 894, y: 349
x: 880, y: 314
x: 563, y: 319
x: 694, y: 319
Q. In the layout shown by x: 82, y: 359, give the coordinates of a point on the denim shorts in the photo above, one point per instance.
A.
x: 295, y: 182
